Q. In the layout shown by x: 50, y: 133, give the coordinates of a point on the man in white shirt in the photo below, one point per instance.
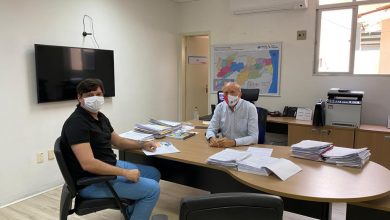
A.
x: 237, y: 119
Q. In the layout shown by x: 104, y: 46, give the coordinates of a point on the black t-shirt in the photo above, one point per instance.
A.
x: 81, y: 127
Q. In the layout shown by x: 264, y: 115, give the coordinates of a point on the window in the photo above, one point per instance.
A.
x: 353, y: 37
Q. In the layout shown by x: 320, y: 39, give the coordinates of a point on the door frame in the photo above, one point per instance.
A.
x: 182, y: 71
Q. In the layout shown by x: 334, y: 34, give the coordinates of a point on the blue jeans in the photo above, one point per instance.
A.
x: 145, y: 192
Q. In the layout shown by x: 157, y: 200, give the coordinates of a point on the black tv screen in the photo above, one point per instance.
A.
x: 59, y: 69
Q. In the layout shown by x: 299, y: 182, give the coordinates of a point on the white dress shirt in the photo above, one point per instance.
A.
x: 240, y: 124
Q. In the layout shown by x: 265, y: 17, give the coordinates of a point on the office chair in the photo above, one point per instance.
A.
x: 232, y: 206
x: 84, y: 206
x: 262, y: 114
x: 252, y: 95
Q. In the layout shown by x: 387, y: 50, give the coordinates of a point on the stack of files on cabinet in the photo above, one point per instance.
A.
x: 172, y: 124
x: 137, y: 136
x: 228, y: 157
x: 347, y: 156
x: 158, y: 131
x: 311, y: 150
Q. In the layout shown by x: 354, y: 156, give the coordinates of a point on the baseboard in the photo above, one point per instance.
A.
x: 27, y: 196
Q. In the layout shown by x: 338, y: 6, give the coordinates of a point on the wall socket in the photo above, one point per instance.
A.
x: 301, y: 35
x: 40, y: 157
x: 50, y: 154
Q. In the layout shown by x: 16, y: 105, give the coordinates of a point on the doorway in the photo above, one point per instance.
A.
x: 196, y: 75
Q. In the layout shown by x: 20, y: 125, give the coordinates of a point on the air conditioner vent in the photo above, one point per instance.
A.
x: 253, y: 6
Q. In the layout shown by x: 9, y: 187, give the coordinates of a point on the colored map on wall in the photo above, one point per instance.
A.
x: 254, y: 65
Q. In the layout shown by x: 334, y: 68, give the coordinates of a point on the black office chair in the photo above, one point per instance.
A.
x: 252, y: 95
x: 84, y: 206
x: 262, y: 114
x: 232, y: 206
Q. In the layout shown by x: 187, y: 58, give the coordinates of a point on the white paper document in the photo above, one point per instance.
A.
x: 344, y: 156
x: 284, y: 168
x: 136, y: 136
x: 260, y: 151
x: 308, y: 144
x: 304, y: 114
x: 281, y: 167
x: 256, y: 165
x: 186, y: 128
x: 343, y: 152
x: 170, y: 123
x: 162, y: 148
x: 152, y: 127
x: 228, y: 157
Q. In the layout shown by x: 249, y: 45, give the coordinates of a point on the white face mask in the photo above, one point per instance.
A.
x: 93, y: 103
x: 232, y: 100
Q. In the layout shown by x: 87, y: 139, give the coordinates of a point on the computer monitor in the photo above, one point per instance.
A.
x: 220, y: 96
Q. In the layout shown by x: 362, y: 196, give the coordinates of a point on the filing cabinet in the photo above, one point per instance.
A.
x: 339, y: 136
x: 377, y: 139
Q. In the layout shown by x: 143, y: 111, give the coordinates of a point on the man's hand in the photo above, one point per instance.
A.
x: 213, y: 142
x: 132, y: 175
x: 225, y: 142
x: 149, y: 146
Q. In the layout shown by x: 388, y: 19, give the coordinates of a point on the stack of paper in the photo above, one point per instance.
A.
x: 156, y: 130
x: 260, y: 151
x: 171, y: 124
x: 228, y: 157
x: 260, y: 162
x: 133, y: 135
x: 181, y: 135
x: 256, y: 165
x: 309, y: 149
x: 347, y: 156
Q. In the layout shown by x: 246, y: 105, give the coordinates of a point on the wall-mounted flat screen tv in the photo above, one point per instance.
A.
x: 59, y: 69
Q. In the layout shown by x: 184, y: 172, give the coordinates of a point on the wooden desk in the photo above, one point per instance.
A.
x: 287, y: 120
x: 377, y: 139
x: 309, y: 192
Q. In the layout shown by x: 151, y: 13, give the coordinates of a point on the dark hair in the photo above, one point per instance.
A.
x: 88, y: 85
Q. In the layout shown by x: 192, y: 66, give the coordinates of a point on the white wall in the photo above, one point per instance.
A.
x: 143, y: 37
x: 298, y: 85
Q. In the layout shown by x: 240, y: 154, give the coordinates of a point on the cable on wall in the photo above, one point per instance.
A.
x: 92, y: 32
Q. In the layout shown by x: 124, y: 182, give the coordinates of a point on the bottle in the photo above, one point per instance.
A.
x: 196, y: 114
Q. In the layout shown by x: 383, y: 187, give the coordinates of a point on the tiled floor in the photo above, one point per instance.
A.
x: 45, y: 206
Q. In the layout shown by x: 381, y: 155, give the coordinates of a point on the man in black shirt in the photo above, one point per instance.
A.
x: 87, y: 139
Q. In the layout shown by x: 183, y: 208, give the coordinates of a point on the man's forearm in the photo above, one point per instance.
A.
x: 99, y: 167
x: 127, y: 144
x: 246, y: 140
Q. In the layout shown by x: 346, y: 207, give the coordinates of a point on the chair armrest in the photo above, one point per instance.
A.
x: 96, y: 179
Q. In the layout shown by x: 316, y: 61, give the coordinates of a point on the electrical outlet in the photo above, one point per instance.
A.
x: 301, y: 35
x: 40, y: 157
x: 50, y: 154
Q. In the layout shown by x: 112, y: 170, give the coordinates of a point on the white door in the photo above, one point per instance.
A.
x: 196, y: 75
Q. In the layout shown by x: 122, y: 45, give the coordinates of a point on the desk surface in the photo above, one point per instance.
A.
x: 317, y: 181
x: 288, y: 120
